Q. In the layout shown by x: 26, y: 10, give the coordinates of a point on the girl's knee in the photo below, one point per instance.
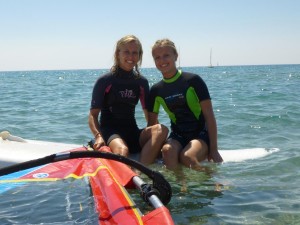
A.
x: 122, y: 150
x: 168, y: 150
x: 160, y: 131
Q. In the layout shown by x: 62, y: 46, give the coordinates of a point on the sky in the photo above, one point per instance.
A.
x: 73, y: 34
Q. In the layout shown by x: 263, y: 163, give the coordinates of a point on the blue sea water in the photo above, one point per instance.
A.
x: 255, y: 107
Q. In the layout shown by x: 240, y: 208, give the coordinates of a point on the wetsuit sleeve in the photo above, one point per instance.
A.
x: 200, y: 88
x: 144, y: 93
x: 99, y: 92
x: 153, y: 105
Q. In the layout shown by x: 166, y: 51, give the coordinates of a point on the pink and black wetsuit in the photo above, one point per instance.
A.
x: 116, y: 95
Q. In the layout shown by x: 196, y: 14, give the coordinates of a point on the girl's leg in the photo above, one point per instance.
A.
x: 118, y: 145
x: 193, y: 153
x: 170, y: 153
x: 152, y: 139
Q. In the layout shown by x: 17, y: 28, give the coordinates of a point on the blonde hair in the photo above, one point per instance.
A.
x: 164, y: 43
x: 125, y: 40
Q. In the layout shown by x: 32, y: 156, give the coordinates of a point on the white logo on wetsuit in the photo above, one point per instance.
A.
x: 127, y: 94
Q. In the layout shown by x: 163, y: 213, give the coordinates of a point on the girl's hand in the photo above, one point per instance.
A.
x: 99, y: 142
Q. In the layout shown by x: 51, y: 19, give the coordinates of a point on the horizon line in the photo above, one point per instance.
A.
x: 29, y: 70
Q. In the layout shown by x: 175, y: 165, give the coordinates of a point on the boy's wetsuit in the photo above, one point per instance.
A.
x: 180, y: 97
x: 116, y: 95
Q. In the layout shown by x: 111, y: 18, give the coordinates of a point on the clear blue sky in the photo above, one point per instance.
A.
x: 73, y: 34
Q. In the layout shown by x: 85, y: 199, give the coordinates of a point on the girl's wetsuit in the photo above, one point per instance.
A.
x: 116, y: 95
x: 180, y: 97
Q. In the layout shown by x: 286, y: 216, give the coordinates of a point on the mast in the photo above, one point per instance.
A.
x: 210, y: 64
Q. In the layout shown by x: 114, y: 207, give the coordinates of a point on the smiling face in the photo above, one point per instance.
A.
x: 128, y: 55
x: 165, y: 60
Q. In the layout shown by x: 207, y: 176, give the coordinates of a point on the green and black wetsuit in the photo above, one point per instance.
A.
x: 180, y: 96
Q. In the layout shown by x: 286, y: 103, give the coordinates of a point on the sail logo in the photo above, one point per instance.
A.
x: 40, y: 175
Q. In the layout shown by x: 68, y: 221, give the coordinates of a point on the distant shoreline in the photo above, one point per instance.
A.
x: 34, y: 70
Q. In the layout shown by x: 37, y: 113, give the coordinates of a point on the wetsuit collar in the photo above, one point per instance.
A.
x: 174, y: 78
x: 124, y: 74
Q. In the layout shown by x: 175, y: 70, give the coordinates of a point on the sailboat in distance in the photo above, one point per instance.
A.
x: 210, y: 64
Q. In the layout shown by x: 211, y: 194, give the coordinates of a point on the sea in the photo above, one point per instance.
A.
x: 255, y: 107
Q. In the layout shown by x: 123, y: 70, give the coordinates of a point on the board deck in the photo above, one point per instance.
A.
x: 14, y: 149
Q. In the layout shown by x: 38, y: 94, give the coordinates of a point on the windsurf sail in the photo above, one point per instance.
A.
x: 84, y: 186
